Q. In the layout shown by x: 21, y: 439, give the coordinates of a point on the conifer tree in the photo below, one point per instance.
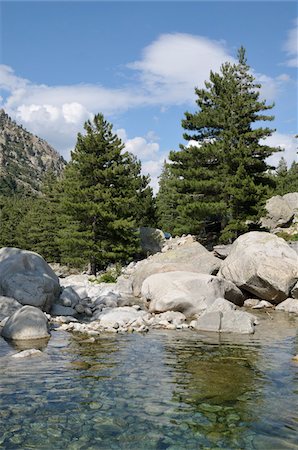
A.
x: 221, y: 175
x: 101, y: 189
x: 166, y: 201
x: 286, y: 179
x: 12, y: 211
x: 38, y: 230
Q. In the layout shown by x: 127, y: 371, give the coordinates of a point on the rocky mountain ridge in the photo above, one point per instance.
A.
x: 24, y: 158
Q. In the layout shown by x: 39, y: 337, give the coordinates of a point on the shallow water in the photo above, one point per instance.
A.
x: 162, y: 390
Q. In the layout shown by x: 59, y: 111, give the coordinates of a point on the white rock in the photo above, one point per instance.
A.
x: 232, y: 321
x: 122, y: 315
x: 289, y: 305
x: 209, y: 321
x: 27, y: 353
x: 237, y: 322
x: 251, y: 302
x: 26, y: 277
x: 26, y: 323
x: 187, y: 292
x: 262, y: 264
x: 263, y: 304
x: 174, y: 317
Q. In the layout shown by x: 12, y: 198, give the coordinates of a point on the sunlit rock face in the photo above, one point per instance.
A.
x: 262, y: 264
x: 26, y: 277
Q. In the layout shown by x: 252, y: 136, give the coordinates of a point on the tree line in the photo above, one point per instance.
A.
x: 214, y: 187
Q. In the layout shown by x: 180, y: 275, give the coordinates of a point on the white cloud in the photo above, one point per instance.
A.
x: 153, y: 167
x: 174, y: 64
x: 142, y: 148
x: 287, y: 142
x: 291, y: 46
x: 148, y: 152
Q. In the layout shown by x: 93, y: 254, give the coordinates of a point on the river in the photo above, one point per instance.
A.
x: 161, y: 390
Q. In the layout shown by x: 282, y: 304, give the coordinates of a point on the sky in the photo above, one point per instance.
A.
x: 138, y: 63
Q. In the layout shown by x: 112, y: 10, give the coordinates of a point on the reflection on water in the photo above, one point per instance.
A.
x: 163, y: 390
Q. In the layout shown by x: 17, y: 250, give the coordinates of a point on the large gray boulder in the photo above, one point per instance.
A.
x: 8, y: 306
x: 26, y: 277
x: 262, y: 264
x: 26, y: 323
x: 187, y: 292
x: 189, y: 257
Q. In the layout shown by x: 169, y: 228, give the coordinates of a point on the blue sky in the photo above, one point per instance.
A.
x: 138, y: 63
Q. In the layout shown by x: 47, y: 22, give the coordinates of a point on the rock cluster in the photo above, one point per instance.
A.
x: 183, y: 286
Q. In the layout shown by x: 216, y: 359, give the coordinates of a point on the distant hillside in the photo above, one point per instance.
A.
x: 24, y: 158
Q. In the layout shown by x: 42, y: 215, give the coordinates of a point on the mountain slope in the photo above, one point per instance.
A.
x: 24, y: 158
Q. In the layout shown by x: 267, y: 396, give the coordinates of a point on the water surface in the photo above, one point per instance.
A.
x: 161, y: 390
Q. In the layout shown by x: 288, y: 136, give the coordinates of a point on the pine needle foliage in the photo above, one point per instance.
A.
x: 221, y: 176
x: 102, y: 191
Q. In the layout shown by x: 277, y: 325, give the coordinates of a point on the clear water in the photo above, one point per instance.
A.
x: 162, y: 390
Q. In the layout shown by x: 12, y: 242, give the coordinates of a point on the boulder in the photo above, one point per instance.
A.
x: 26, y: 277
x: 262, y: 264
x: 187, y: 292
x: 26, y: 323
x: 8, y: 306
x: 69, y: 297
x: 209, y: 321
x: 152, y: 240
x: 279, y: 213
x: 237, y: 322
x: 292, y: 200
x: 289, y: 305
x: 60, y: 310
x: 225, y: 322
x: 189, y: 257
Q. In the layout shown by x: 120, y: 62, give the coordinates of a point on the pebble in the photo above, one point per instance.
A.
x: 27, y: 353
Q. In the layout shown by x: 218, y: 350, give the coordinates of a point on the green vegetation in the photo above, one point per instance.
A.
x: 286, y: 179
x: 219, y: 180
x: 91, y: 215
x: 102, y: 195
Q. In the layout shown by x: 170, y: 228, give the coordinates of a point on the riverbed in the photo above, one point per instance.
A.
x: 161, y: 390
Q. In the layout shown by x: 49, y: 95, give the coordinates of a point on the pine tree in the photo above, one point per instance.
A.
x: 38, y: 230
x: 12, y: 211
x: 166, y: 201
x: 102, y: 186
x: 221, y: 175
x: 286, y: 179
